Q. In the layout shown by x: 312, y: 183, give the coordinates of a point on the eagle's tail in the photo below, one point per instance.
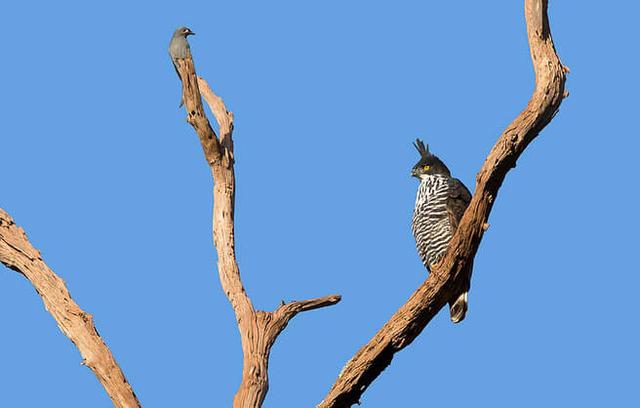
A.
x: 459, y: 303
x: 458, y: 307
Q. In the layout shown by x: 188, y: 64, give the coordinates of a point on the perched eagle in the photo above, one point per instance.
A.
x: 440, y: 203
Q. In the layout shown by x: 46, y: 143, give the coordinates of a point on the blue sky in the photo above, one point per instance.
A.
x: 101, y: 169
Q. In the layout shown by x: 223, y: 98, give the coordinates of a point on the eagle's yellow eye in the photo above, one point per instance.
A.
x: 426, y: 168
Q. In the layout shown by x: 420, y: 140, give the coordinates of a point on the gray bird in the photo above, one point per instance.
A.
x: 179, y: 49
x: 440, y: 203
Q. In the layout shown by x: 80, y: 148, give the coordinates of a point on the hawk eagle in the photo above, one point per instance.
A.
x: 440, y: 203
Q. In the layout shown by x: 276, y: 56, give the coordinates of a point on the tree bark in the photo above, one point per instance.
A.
x: 258, y: 329
x: 17, y: 253
x: 409, y: 321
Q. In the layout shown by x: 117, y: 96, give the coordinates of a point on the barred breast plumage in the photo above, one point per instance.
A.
x: 431, y: 226
x: 440, y: 203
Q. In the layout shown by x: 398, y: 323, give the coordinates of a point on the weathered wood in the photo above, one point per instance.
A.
x: 258, y: 329
x: 409, y: 321
x: 17, y: 253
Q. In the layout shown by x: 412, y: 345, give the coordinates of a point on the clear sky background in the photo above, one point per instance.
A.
x: 109, y: 181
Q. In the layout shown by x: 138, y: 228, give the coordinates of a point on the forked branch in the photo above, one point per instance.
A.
x: 409, y: 321
x: 258, y: 329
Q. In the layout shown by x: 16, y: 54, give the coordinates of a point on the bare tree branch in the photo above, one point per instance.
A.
x: 258, y: 329
x: 17, y: 253
x: 287, y: 311
x: 223, y: 117
x: 409, y: 321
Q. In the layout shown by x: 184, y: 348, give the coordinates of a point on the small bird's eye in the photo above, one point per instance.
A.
x: 426, y: 168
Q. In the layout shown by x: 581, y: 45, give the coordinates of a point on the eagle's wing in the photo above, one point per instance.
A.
x: 457, y: 202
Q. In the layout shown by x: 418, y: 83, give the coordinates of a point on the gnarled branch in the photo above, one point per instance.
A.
x: 409, y: 321
x: 258, y: 329
x: 17, y: 253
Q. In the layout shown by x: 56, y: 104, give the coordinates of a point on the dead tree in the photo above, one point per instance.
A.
x: 409, y: 321
x: 17, y: 253
x: 259, y: 329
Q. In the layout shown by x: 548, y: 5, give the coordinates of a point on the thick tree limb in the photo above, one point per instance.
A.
x: 407, y: 323
x: 17, y: 253
x: 258, y: 329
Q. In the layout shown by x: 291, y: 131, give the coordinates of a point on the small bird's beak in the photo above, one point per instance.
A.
x: 190, y: 33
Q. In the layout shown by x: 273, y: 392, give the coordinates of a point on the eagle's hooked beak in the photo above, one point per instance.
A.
x: 414, y: 172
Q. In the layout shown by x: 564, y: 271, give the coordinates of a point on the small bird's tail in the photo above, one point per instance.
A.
x: 458, y: 307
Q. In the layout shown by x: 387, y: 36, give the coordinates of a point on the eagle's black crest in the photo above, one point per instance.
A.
x: 421, y: 148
